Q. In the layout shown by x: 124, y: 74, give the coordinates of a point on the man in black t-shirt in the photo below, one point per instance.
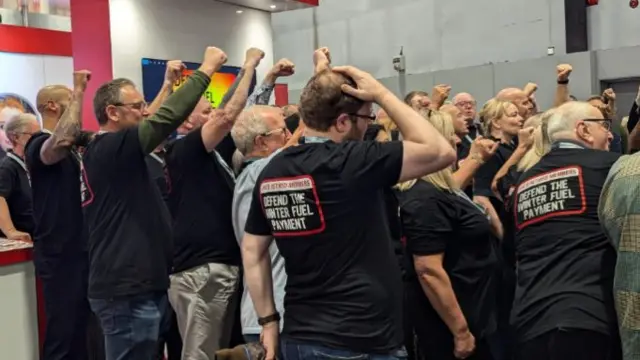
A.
x: 563, y: 307
x: 60, y: 249
x: 130, y: 238
x: 206, y: 261
x: 323, y: 203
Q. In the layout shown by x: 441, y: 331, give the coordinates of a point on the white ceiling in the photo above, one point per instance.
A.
x: 266, y: 5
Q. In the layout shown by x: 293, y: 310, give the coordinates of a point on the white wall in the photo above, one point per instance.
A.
x: 171, y: 29
x: 613, y: 24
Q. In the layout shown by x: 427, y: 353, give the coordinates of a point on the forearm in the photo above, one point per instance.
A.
x: 437, y: 287
x: 513, y: 160
x: 262, y: 94
x: 257, y: 271
x: 6, y: 225
x: 156, y: 128
x: 64, y: 134
x: 562, y: 95
x: 239, y: 98
x: 232, y: 89
x: 465, y: 173
x: 496, y: 225
x: 163, y: 94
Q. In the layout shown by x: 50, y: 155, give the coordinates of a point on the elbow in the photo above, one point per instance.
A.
x: 447, y: 156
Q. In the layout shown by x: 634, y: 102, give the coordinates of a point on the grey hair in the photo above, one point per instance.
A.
x: 8, y: 113
x: 108, y: 94
x: 563, y: 121
x: 249, y: 125
x: 18, y: 124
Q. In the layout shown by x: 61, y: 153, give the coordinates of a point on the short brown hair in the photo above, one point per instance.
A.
x: 411, y: 95
x: 108, y: 94
x: 322, y: 100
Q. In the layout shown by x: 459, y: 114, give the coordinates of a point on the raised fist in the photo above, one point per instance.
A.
x: 322, y: 55
x: 530, y: 89
x: 173, y: 73
x: 525, y: 137
x: 563, y: 71
x: 214, y: 58
x: 80, y: 79
x: 609, y: 94
x: 484, y: 148
x: 253, y: 56
x: 284, y: 67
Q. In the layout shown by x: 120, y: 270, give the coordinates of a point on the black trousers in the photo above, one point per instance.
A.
x: 64, y: 287
x: 568, y: 344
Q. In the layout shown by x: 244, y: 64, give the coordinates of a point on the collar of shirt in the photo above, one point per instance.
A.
x: 313, y: 139
x: 567, y: 144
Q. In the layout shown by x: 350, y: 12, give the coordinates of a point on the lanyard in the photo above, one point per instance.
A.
x: 464, y: 195
x: 314, y: 139
x: 157, y: 158
x: 469, y: 139
x: 20, y: 162
x: 564, y: 144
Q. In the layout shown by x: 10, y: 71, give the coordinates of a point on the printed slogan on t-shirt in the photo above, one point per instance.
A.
x: 292, y: 206
x: 555, y: 193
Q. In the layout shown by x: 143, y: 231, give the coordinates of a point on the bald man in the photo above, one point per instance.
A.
x: 52, y: 101
x: 519, y: 98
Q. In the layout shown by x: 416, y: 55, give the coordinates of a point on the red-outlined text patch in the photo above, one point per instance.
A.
x: 292, y: 207
x: 559, y: 192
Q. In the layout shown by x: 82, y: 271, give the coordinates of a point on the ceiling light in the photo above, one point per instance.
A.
x: 272, y: 6
x: 238, y: 11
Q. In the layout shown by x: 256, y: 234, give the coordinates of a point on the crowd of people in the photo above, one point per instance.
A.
x: 351, y: 225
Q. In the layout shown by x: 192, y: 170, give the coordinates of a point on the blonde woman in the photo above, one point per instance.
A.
x: 451, y: 286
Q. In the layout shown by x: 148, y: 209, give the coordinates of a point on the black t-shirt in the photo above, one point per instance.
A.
x: 129, y: 227
x: 324, y: 204
x: 200, y: 196
x: 155, y: 165
x: 15, y: 189
x: 565, y: 262
x: 59, y: 224
x: 440, y: 222
x: 2, y: 153
x: 506, y: 186
x: 484, y: 176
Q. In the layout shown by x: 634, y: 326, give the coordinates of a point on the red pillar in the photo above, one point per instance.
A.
x: 91, y: 45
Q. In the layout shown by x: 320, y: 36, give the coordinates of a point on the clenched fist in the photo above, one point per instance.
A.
x: 253, y: 57
x: 563, y: 71
x: 173, y: 73
x: 80, y: 80
x: 530, y: 89
x: 609, y: 94
x: 525, y: 137
x: 321, y: 59
x: 439, y: 94
x: 284, y: 67
x: 483, y: 148
x: 214, y: 58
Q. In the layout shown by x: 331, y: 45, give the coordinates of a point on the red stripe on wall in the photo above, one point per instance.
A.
x: 281, y: 92
x: 309, y: 2
x: 25, y: 40
x: 91, y: 39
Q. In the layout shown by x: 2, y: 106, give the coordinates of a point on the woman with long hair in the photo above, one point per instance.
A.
x: 451, y: 251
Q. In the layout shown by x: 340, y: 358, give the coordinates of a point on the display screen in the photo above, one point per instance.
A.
x: 153, y: 76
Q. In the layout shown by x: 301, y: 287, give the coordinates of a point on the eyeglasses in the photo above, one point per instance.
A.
x: 465, y: 103
x: 140, y: 105
x: 605, y: 123
x: 275, y: 131
x: 369, y: 117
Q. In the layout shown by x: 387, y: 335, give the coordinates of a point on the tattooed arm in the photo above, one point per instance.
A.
x: 56, y: 147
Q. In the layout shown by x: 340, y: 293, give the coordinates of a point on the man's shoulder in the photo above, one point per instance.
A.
x: 113, y: 142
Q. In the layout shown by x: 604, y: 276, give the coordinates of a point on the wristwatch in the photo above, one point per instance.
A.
x: 275, y: 317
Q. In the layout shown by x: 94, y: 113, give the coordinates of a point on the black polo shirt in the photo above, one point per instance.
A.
x: 565, y: 262
x: 324, y: 204
x: 129, y: 227
x: 441, y: 222
x: 16, y: 190
x: 59, y: 224
x: 200, y: 195
x: 155, y: 165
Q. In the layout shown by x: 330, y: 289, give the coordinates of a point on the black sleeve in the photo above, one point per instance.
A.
x: 122, y: 148
x: 32, y: 151
x: 8, y: 179
x: 633, y: 117
x: 428, y: 223
x: 257, y: 223
x: 484, y: 176
x: 372, y: 165
x: 226, y: 148
x: 506, y: 182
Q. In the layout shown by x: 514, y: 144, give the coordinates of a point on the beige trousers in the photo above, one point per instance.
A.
x: 204, y: 299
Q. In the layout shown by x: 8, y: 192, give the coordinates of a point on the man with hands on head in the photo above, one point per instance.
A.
x: 60, y: 249
x: 206, y: 261
x: 130, y: 238
x: 325, y: 198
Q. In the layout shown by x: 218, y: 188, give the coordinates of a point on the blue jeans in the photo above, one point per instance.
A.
x: 294, y: 350
x: 131, y: 325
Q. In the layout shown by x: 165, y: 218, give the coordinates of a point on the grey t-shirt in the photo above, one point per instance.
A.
x: 242, y: 196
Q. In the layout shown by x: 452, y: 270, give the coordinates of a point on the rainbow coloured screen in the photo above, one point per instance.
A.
x: 153, y: 76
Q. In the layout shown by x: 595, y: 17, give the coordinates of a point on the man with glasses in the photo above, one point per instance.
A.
x: 563, y: 306
x: 206, y: 258
x: 130, y: 242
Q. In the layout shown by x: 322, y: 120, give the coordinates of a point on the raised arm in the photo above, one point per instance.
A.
x: 562, y: 89
x: 56, y: 147
x: 156, y: 128
x: 261, y: 95
x: 425, y: 150
x: 223, y: 119
x: 172, y: 74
